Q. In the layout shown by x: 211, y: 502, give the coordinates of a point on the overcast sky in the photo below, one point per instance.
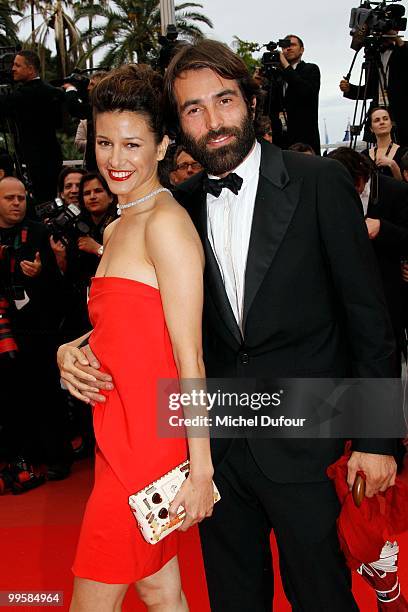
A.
x: 322, y: 24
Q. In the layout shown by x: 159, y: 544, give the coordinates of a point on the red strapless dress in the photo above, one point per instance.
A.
x: 131, y: 341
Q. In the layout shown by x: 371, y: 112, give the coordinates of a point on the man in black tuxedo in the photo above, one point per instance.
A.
x: 34, y: 108
x: 301, y: 86
x: 393, y: 64
x: 291, y: 290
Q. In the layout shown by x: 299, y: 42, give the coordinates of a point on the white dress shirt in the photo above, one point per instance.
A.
x: 365, y: 196
x: 229, y: 219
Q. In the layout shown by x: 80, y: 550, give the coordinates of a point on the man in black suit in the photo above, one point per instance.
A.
x: 392, y: 89
x: 285, y: 297
x: 289, y: 274
x: 32, y: 415
x: 34, y: 108
x: 385, y: 208
x: 301, y: 86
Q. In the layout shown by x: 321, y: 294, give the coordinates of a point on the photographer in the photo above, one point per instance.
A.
x: 33, y: 109
x: 78, y: 106
x: 301, y: 86
x: 32, y: 416
x: 68, y: 190
x: 98, y: 209
x: 389, y: 89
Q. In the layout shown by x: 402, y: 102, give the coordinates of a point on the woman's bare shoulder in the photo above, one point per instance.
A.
x: 168, y: 210
x: 108, y: 230
x: 170, y: 221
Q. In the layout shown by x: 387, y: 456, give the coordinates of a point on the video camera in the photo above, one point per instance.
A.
x: 64, y: 223
x: 271, y: 58
x: 375, y: 19
x: 78, y: 79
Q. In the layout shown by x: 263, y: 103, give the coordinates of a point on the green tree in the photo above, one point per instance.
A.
x: 130, y: 28
x: 57, y: 23
x: 8, y: 28
x: 31, y: 6
x: 245, y: 50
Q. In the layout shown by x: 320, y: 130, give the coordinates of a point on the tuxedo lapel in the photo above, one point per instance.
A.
x: 212, y: 276
x: 275, y: 204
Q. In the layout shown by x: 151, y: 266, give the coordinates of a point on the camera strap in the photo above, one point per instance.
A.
x: 19, y: 240
x: 8, y: 254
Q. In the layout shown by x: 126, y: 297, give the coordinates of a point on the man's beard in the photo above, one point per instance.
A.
x: 225, y: 158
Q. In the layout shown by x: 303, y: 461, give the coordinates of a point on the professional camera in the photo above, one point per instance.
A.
x: 78, y: 79
x: 68, y: 225
x: 49, y: 209
x: 65, y: 223
x: 375, y: 19
x: 271, y: 59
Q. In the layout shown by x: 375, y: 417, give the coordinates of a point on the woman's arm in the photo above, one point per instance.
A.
x: 80, y: 369
x: 175, y: 251
x: 392, y: 164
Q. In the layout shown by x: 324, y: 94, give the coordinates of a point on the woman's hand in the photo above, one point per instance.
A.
x: 383, y: 162
x: 89, y: 245
x: 196, y: 496
x: 79, y: 376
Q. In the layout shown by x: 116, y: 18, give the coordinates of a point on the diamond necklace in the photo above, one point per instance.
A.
x: 121, y: 207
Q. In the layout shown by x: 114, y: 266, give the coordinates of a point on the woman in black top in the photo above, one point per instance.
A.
x: 386, y: 153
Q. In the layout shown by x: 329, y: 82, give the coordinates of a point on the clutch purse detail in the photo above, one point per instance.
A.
x: 151, y: 505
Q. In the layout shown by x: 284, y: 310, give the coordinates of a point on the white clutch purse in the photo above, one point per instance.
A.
x: 151, y: 505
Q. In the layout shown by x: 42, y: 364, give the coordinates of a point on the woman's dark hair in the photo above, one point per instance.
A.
x: 206, y: 54
x: 134, y: 88
x: 359, y: 166
x: 90, y: 176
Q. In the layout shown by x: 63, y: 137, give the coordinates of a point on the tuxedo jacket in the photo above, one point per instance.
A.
x: 314, y: 305
x: 389, y: 203
x: 397, y: 90
x: 301, y: 102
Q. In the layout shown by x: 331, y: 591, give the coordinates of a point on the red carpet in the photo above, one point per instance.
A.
x: 38, y: 535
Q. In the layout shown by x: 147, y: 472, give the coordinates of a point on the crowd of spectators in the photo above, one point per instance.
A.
x: 46, y: 265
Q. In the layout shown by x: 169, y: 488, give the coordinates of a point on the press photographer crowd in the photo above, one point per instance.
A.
x: 52, y: 216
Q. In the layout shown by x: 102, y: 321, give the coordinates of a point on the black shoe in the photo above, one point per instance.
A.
x: 58, y: 471
x: 23, y: 478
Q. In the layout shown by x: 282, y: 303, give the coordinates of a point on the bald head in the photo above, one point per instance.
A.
x: 12, y: 202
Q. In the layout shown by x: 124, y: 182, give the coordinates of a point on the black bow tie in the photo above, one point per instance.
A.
x: 214, y: 186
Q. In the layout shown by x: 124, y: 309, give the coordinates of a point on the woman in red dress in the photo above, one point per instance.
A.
x: 145, y: 307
